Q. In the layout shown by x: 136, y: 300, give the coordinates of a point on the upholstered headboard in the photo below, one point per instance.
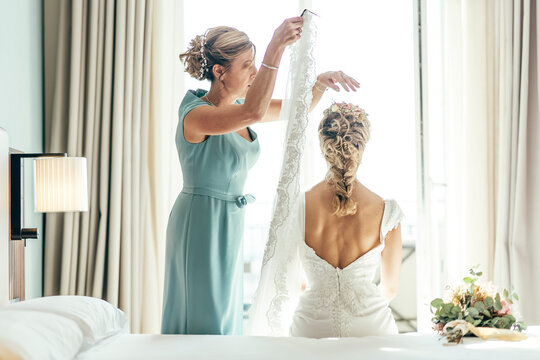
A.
x: 4, y: 218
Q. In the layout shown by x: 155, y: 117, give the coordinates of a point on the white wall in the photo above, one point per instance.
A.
x: 21, y: 107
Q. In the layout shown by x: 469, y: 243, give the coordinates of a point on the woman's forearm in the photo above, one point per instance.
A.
x: 317, y: 91
x: 260, y: 93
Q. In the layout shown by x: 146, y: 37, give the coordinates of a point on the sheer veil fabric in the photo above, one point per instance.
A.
x: 280, y: 283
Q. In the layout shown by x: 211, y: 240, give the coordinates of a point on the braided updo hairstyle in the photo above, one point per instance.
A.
x: 343, y: 134
x: 219, y: 45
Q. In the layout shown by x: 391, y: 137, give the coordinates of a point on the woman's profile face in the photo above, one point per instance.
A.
x: 241, y: 74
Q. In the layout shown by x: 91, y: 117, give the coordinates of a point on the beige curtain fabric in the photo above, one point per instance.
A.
x: 112, y: 103
x: 517, y: 152
x: 487, y: 66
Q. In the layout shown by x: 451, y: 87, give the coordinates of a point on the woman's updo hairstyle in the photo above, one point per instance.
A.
x: 218, y: 45
x: 343, y: 134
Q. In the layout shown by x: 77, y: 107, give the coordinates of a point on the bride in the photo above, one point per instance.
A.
x: 338, y: 236
x: 348, y: 232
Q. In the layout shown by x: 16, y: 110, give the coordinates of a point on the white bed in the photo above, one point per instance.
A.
x: 83, y: 328
x: 407, y: 346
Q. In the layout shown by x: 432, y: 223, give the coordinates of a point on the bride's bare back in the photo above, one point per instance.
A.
x: 342, y: 240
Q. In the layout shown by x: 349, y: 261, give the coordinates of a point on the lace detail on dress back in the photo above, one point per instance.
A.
x: 344, y: 294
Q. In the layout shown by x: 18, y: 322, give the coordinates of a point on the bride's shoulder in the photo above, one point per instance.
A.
x: 319, y: 195
x: 318, y: 190
x: 368, y: 197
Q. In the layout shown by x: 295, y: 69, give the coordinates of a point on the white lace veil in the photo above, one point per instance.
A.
x: 279, y: 286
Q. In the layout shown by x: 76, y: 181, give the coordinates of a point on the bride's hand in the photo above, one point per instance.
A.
x: 333, y: 78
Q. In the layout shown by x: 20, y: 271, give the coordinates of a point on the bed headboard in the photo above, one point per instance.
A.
x: 4, y: 218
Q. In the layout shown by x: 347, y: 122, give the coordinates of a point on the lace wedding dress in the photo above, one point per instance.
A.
x: 336, y: 302
x: 343, y: 302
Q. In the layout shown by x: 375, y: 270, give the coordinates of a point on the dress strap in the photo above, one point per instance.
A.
x: 392, y: 216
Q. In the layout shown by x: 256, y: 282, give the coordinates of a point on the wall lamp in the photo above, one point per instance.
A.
x: 60, y: 185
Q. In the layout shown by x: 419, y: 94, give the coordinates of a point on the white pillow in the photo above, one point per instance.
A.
x: 36, y: 335
x: 96, y: 318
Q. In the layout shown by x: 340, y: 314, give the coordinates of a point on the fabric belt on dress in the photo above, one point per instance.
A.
x: 239, y: 200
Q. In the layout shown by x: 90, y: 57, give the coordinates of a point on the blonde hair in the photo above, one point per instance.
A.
x: 219, y: 45
x: 343, y: 134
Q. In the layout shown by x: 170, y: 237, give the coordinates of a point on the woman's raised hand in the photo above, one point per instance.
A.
x: 288, y: 32
x: 333, y: 78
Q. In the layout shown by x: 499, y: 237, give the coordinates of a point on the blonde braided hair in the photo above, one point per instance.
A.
x: 343, y: 134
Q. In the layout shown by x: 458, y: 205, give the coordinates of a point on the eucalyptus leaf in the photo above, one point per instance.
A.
x: 472, y: 311
x: 479, y: 305
x: 488, y: 301
x: 437, y: 303
x: 448, y: 307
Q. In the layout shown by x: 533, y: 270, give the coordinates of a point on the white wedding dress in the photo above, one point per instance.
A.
x: 343, y: 302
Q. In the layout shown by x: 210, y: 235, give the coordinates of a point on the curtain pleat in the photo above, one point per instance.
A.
x: 108, y: 70
x: 491, y: 157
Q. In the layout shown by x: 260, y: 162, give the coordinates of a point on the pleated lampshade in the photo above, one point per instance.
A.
x: 60, y: 184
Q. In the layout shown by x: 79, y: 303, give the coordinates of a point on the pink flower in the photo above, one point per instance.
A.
x: 439, y: 327
x: 505, y: 308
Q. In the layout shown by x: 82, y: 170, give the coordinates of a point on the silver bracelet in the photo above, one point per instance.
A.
x: 269, y: 67
x: 318, y: 88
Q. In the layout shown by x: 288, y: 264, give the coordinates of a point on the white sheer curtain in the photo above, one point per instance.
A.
x: 467, y: 128
x: 481, y: 158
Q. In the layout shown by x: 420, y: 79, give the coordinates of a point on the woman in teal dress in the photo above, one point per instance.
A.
x: 203, y: 292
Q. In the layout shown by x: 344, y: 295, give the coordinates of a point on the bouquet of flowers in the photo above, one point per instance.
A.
x: 479, y: 305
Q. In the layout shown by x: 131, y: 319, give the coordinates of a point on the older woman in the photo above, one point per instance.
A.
x: 216, y: 147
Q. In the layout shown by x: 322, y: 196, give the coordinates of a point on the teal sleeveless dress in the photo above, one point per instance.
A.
x: 203, y: 291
